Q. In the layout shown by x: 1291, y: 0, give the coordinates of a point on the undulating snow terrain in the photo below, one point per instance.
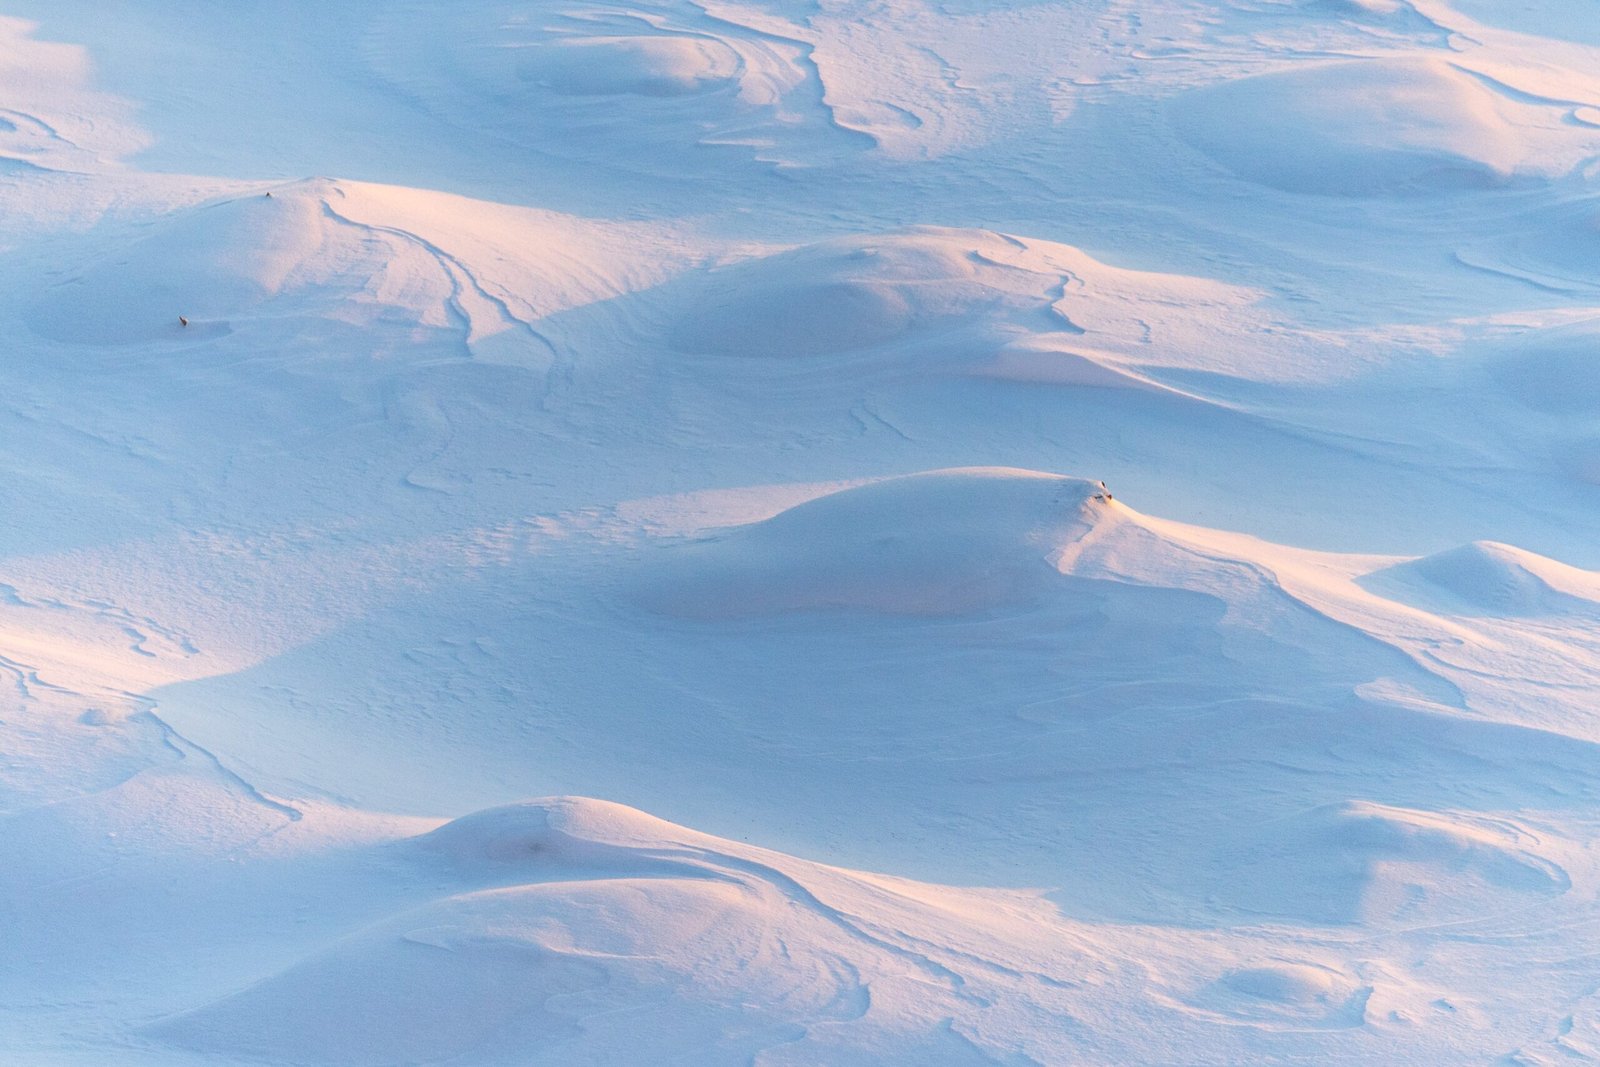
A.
x: 574, y: 533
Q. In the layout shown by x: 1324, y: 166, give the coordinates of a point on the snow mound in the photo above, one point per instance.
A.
x: 1290, y: 993
x: 854, y: 293
x: 938, y: 543
x: 1488, y: 578
x: 283, y: 255
x: 323, y: 265
x: 1359, y: 128
x: 1361, y: 862
x: 648, y: 66
x: 1282, y: 983
x: 541, y: 834
x: 957, y: 299
x: 658, y: 86
x: 1052, y: 359
x: 521, y: 972
x: 715, y: 960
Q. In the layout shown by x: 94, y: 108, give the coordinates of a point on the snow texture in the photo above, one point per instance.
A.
x: 751, y: 532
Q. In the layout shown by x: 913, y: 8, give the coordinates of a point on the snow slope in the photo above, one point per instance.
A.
x: 694, y: 414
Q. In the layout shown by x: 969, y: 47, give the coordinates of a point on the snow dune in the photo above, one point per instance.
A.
x: 1500, y: 580
x: 277, y: 255
x: 573, y: 922
x: 572, y: 911
x: 1359, y: 862
x: 1370, y: 127
x: 931, y: 299
x: 941, y: 543
x: 660, y: 87
x: 325, y: 255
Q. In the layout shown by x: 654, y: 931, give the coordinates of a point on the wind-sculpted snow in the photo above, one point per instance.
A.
x: 943, y: 543
x: 649, y: 66
x: 51, y: 114
x: 660, y: 85
x: 854, y: 293
x: 558, y: 928
x: 341, y: 255
x: 1499, y: 580
x: 929, y: 300
x: 703, y: 405
x: 593, y: 920
x: 1287, y: 994
x: 1556, y: 248
x: 282, y: 255
x: 1411, y: 126
x: 1359, y: 862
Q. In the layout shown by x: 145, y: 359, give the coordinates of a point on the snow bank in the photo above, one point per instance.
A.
x: 940, y: 543
x: 860, y: 292
x: 1287, y: 993
x: 1489, y: 578
x: 663, y: 87
x: 930, y: 299
x: 1360, y: 862
x: 1401, y: 126
x: 283, y: 256
x: 691, y: 947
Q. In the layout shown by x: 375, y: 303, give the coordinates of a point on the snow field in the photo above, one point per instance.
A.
x: 701, y: 408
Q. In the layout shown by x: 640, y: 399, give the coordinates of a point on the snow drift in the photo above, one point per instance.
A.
x: 940, y: 543
x: 1369, y: 127
x: 283, y: 254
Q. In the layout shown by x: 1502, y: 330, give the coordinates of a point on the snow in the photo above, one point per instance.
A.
x: 576, y: 535
x: 1368, y: 127
x: 939, y: 543
x: 1501, y: 580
